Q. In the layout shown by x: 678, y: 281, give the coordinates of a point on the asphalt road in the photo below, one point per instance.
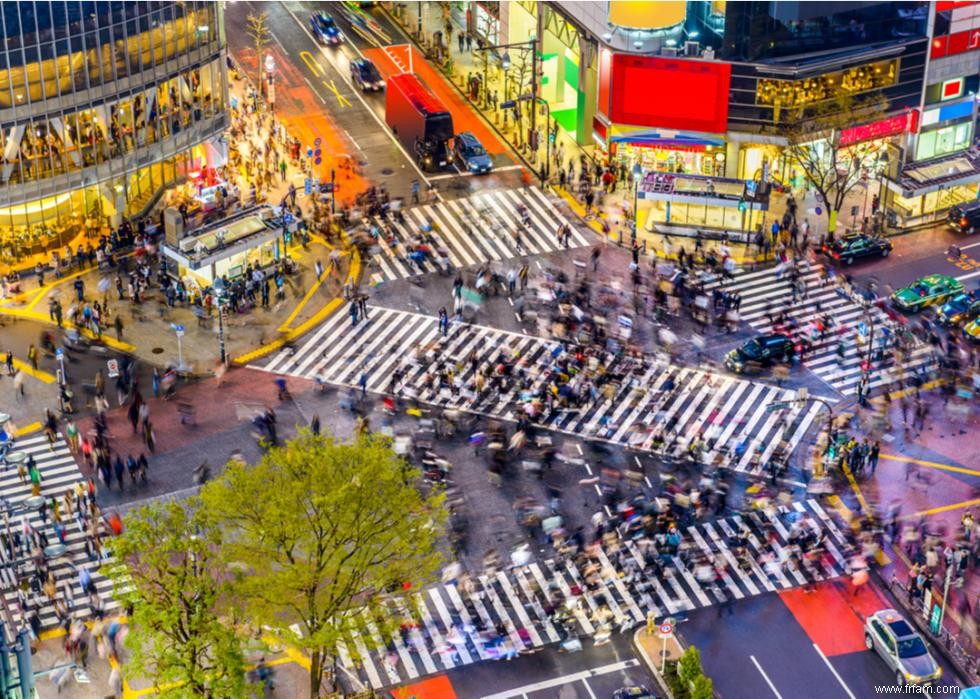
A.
x: 763, y: 649
x: 594, y: 672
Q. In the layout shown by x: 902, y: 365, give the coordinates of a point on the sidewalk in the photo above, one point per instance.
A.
x: 148, y: 328
x: 928, y: 478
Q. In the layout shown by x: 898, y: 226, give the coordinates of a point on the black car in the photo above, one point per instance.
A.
x: 365, y: 75
x: 761, y: 351
x: 965, y: 218
x: 856, y: 247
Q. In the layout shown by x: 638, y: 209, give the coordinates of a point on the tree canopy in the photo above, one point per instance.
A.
x: 165, y: 567
x: 814, y: 145
x: 324, y: 531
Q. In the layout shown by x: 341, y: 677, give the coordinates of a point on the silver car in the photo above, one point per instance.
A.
x: 904, y: 651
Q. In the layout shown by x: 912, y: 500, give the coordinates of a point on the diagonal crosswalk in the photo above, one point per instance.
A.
x: 762, y: 292
x: 473, y: 230
x: 448, y: 624
x: 59, y: 473
x: 653, y: 407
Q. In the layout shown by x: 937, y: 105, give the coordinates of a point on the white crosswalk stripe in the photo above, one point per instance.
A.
x: 514, y: 601
x: 679, y: 403
x: 59, y: 473
x: 473, y: 230
x: 762, y: 293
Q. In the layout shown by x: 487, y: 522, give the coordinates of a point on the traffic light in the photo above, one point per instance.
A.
x: 741, y: 205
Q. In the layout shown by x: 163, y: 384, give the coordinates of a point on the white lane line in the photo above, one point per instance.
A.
x: 765, y: 677
x: 566, y: 679
x: 834, y: 671
x: 357, y: 93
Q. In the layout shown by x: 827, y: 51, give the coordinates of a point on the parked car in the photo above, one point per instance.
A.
x: 857, y: 247
x: 471, y: 154
x: 926, y: 291
x: 365, y: 75
x: 325, y: 28
x: 760, y: 352
x: 901, y: 647
x: 633, y: 692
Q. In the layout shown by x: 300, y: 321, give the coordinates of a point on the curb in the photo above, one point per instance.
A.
x: 353, y: 274
x: 651, y: 665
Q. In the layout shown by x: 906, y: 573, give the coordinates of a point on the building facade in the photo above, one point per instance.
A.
x: 102, y: 106
x: 708, y: 88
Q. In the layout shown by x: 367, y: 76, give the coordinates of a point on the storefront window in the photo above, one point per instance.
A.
x: 40, y: 149
x: 948, y: 139
x: 795, y: 93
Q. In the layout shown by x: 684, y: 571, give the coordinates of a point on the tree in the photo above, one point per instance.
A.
x: 165, y: 566
x: 702, y: 688
x: 814, y: 145
x: 257, y: 28
x: 689, y: 666
x: 327, y: 535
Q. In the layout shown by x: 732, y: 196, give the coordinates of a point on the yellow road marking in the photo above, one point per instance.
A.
x: 311, y: 63
x: 332, y: 86
x: 38, y: 374
x: 353, y: 273
x: 28, y: 429
x: 931, y: 464
x: 880, y: 556
x: 944, y: 508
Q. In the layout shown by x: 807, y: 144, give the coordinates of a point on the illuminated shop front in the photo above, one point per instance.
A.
x: 102, y: 106
x: 927, y: 190
x: 686, y: 204
x: 659, y: 151
x: 258, y: 237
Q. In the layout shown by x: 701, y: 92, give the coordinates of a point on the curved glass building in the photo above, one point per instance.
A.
x: 102, y: 106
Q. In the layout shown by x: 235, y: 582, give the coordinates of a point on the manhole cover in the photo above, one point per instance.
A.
x: 387, y: 171
x: 157, y: 350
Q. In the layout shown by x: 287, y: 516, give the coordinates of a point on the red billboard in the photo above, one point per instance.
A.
x: 908, y: 122
x: 690, y: 95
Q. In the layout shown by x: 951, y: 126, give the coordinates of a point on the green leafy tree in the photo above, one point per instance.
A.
x: 814, y: 146
x: 689, y: 667
x: 182, y: 636
x: 324, y: 531
x: 702, y: 688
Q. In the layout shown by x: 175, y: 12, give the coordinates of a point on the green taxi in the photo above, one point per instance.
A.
x: 926, y: 291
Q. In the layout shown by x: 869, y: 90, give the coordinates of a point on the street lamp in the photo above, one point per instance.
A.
x: 219, y: 294
x: 529, y: 45
x: 637, y: 174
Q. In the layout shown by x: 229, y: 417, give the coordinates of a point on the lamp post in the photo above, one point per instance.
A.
x: 529, y: 45
x: 219, y: 289
x: 333, y: 191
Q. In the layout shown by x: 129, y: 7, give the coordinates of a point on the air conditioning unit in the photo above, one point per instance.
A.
x: 670, y: 51
x: 692, y: 48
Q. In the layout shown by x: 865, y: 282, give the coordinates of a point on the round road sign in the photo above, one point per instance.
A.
x: 666, y: 629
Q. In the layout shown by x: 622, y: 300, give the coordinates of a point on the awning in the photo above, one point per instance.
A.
x: 654, y: 139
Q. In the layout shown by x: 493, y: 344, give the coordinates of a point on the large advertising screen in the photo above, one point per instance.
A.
x: 690, y: 95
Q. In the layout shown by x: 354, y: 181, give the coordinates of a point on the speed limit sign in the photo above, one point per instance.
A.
x: 666, y: 629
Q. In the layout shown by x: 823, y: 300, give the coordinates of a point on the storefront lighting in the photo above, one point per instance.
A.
x: 695, y: 34
x: 36, y: 206
x: 671, y: 42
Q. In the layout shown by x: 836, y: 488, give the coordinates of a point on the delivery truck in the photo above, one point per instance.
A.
x: 420, y: 121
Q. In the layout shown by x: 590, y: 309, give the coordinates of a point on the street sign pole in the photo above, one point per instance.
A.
x: 666, y: 629
x: 60, y: 354
x: 179, y: 330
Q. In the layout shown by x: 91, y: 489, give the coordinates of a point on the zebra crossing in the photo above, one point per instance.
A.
x: 442, y: 630
x: 473, y: 230
x: 59, y: 473
x: 730, y: 414
x: 763, y: 292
